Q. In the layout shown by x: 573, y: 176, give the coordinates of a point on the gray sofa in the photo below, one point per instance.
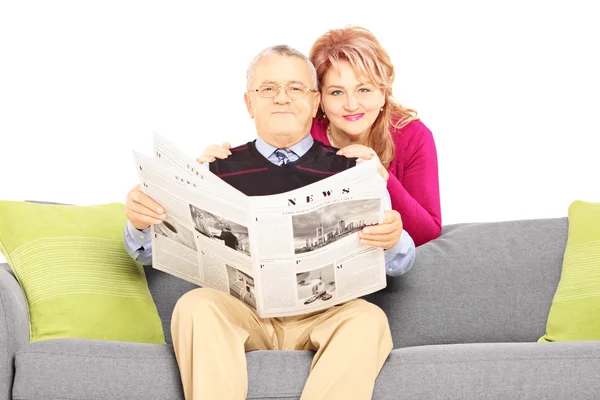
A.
x: 465, y: 322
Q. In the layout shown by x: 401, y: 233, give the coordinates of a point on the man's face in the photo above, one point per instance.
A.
x: 282, y: 120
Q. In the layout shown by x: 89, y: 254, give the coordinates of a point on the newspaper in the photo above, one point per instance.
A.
x: 282, y: 255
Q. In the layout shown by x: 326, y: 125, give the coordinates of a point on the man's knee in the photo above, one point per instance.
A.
x: 198, y: 302
x: 368, y: 314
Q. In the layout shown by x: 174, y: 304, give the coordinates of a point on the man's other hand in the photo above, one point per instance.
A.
x: 384, y: 235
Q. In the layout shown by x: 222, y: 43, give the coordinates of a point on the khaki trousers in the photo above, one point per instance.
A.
x: 212, y: 331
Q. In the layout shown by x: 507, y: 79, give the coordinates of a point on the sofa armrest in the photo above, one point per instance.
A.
x: 14, y: 327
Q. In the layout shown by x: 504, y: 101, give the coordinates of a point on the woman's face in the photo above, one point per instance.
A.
x: 350, y: 100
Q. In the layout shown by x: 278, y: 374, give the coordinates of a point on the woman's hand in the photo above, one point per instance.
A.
x: 385, y: 234
x: 364, y: 153
x: 215, y: 151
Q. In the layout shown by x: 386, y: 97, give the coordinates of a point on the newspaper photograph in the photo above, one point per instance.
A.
x: 318, y: 284
x: 228, y: 233
x: 285, y: 254
x: 175, y: 231
x: 241, y: 286
x: 326, y: 225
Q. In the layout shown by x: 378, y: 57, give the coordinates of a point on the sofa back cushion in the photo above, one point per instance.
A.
x: 478, y: 282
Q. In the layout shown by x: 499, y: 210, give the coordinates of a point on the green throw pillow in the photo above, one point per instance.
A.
x: 77, y: 277
x: 575, y: 311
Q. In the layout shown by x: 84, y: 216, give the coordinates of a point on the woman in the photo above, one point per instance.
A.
x: 360, y: 117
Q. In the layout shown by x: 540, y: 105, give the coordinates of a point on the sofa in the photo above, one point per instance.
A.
x: 465, y: 322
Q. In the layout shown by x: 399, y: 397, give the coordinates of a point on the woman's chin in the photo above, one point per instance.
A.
x: 354, y: 133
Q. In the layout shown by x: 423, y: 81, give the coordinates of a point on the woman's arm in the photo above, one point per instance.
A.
x: 417, y: 199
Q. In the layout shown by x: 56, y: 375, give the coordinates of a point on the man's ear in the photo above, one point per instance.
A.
x: 316, y: 104
x: 249, y: 105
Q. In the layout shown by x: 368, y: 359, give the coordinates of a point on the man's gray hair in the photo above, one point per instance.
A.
x: 282, y: 50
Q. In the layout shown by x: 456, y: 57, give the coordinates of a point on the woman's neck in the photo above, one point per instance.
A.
x: 339, y: 139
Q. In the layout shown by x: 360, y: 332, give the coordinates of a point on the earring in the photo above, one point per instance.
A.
x: 324, y: 116
x: 381, y: 109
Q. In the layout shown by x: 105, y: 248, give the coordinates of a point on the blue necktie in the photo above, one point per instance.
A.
x: 282, y: 154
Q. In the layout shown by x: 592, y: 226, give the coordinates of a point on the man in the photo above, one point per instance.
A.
x: 211, y: 329
x: 228, y: 237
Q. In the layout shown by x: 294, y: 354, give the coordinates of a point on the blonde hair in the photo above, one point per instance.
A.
x: 362, y: 50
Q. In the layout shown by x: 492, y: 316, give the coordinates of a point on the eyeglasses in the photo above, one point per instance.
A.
x: 294, y: 91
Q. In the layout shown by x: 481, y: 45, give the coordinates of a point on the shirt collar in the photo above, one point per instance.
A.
x: 300, y: 148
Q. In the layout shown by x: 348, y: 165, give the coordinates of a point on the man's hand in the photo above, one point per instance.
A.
x: 384, y: 235
x: 141, y: 210
x: 365, y: 153
x: 215, y: 151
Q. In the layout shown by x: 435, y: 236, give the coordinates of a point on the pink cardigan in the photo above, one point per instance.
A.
x: 413, y: 183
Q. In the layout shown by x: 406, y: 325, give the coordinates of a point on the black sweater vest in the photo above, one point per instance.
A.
x: 252, y: 174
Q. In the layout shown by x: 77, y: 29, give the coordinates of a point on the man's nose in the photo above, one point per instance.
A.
x: 282, y: 96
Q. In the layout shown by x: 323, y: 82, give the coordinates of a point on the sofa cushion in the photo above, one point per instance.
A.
x: 98, y: 370
x: 495, y: 371
x: 575, y: 310
x: 14, y: 327
x: 95, y: 369
x: 477, y: 283
x: 78, y: 280
x: 101, y: 370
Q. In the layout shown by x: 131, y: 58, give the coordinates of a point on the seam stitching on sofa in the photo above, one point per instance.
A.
x: 286, y: 395
x: 7, y: 335
x: 503, y: 360
x: 67, y: 398
x: 93, y: 356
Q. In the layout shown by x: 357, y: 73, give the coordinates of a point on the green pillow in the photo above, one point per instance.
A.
x: 77, y: 277
x: 575, y: 311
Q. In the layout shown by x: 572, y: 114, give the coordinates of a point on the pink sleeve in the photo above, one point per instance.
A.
x: 418, y: 199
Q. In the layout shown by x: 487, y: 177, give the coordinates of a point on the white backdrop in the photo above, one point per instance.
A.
x: 509, y: 89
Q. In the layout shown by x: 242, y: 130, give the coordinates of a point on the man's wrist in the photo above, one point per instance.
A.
x: 138, y: 228
x: 139, y: 236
